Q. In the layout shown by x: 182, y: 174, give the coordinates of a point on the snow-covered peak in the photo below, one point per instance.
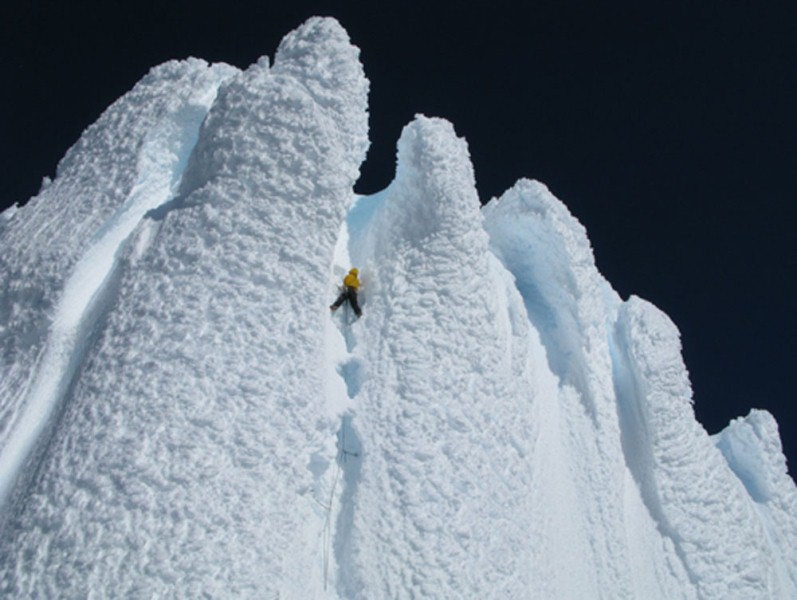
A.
x: 322, y: 55
x: 751, y: 446
x: 276, y: 126
x: 215, y: 283
x: 440, y: 369
x: 688, y: 486
x: 569, y: 302
x: 434, y: 193
x: 750, y: 443
x: 181, y: 415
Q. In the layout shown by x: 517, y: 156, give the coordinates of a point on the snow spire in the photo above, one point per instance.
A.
x: 685, y: 482
x: 499, y: 424
x: 436, y: 401
x: 201, y: 465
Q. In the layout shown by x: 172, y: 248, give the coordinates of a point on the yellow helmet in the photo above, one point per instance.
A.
x: 354, y: 272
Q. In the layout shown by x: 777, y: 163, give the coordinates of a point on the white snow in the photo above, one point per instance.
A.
x: 181, y: 416
x: 687, y: 486
x: 163, y: 155
x: 751, y: 446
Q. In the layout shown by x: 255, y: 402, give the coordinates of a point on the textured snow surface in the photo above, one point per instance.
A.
x: 180, y: 416
x: 58, y: 253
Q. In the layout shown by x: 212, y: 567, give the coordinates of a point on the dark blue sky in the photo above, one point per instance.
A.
x: 668, y: 129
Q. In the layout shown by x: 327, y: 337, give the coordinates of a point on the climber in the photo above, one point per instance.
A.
x: 349, y: 292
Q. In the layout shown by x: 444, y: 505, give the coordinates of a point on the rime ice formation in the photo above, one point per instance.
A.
x: 180, y: 416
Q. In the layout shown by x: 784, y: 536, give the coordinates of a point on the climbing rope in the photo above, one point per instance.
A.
x: 327, y: 537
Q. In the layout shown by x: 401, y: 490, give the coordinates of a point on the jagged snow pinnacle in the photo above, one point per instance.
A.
x: 499, y: 424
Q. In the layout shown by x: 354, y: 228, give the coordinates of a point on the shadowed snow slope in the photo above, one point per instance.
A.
x: 180, y: 416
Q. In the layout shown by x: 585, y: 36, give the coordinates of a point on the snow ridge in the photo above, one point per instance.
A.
x: 499, y: 424
x: 165, y: 146
x: 216, y: 498
x: 426, y: 521
x: 43, y: 241
x: 751, y: 446
x: 701, y: 505
x: 571, y: 306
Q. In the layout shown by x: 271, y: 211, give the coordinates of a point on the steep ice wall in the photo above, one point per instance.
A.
x: 181, y: 467
x: 441, y: 505
x: 573, y: 308
x: 499, y: 424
